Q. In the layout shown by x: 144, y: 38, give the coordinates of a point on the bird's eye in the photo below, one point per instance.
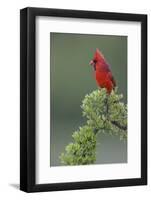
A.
x: 94, y: 61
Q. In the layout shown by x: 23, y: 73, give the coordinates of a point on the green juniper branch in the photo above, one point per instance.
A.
x: 105, y: 114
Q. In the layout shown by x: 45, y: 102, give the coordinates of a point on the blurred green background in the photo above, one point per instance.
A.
x: 72, y: 78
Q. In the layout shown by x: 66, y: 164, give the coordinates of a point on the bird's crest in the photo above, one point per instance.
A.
x: 98, y: 56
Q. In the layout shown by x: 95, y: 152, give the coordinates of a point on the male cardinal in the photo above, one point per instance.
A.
x: 103, y: 74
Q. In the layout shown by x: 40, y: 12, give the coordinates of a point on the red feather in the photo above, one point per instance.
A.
x: 103, y: 74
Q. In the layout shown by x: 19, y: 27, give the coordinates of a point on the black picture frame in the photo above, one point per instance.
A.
x: 28, y: 98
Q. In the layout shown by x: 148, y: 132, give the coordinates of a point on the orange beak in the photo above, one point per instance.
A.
x: 91, y: 62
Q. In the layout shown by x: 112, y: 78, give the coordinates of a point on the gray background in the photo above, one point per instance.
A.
x: 72, y: 78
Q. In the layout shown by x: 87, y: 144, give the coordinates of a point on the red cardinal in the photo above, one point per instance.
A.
x: 103, y: 74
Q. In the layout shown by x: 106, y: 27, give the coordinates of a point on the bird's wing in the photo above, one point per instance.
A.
x: 112, y: 79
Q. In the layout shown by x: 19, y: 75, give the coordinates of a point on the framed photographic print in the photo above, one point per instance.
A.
x: 83, y: 98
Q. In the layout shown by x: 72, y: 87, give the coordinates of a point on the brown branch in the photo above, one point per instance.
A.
x: 119, y: 125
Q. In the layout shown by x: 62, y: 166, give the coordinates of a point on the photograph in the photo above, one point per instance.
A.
x: 83, y: 99
x: 88, y: 98
x: 74, y: 85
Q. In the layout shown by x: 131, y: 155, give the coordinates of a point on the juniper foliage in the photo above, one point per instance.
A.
x: 105, y: 113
